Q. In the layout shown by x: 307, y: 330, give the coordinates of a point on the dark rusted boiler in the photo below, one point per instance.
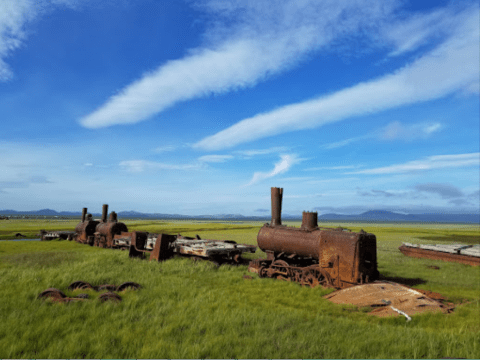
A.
x: 99, y: 233
x: 85, y: 230
x: 313, y: 255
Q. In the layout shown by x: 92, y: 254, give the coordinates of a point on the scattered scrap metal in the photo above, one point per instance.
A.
x: 388, y: 298
x: 465, y: 254
x: 51, y: 235
x: 313, y: 255
x: 59, y: 296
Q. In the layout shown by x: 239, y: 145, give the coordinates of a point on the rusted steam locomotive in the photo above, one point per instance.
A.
x: 99, y: 233
x: 313, y: 255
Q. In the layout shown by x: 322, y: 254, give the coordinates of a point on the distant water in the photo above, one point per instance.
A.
x: 21, y: 240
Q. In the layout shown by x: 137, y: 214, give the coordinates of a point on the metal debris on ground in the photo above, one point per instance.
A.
x: 109, y: 296
x: 465, y: 254
x: 51, y: 235
x: 388, y: 298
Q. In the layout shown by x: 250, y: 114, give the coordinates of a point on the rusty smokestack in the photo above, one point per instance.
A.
x: 104, y: 213
x: 309, y: 220
x: 277, y: 195
x: 84, y: 214
x: 113, y: 217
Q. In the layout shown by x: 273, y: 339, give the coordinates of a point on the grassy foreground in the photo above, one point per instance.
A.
x: 190, y: 309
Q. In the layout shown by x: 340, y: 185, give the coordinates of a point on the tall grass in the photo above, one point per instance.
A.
x: 194, y: 309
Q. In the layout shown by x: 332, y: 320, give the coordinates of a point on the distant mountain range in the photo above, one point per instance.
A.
x: 374, y: 215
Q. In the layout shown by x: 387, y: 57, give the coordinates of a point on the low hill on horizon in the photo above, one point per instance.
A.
x: 372, y: 215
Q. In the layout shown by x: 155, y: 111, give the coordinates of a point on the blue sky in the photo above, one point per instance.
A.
x: 199, y: 107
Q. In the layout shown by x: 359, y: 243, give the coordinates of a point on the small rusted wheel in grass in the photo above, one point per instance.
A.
x: 107, y: 287
x: 109, y: 296
x: 313, y: 277
x: 262, y: 272
x: 82, y: 296
x: 52, y: 293
x: 129, y: 284
x: 79, y: 285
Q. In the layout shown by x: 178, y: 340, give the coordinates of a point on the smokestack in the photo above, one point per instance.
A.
x: 84, y: 214
x: 309, y: 220
x: 104, y: 212
x: 277, y: 194
x: 113, y: 217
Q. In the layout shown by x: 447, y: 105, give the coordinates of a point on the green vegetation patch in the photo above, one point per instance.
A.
x: 195, y: 309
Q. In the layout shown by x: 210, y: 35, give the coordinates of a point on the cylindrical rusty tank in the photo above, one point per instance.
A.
x: 106, y: 231
x: 84, y: 231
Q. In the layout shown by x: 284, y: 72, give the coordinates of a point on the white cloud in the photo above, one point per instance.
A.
x: 450, y: 67
x: 255, y: 152
x: 393, y: 131
x: 14, y: 17
x: 142, y: 165
x: 215, y: 158
x: 430, y: 163
x: 248, y: 42
x: 164, y: 148
x: 286, y: 162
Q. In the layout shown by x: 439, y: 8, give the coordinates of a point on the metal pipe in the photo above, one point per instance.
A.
x: 113, y: 217
x: 277, y: 195
x: 84, y: 214
x: 309, y: 220
x: 104, y: 212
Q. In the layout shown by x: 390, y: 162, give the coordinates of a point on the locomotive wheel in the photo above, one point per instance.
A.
x: 262, y: 272
x: 281, y: 267
x: 79, y: 285
x: 128, y: 284
x: 109, y: 296
x: 313, y: 277
x: 52, y: 293
x: 108, y: 287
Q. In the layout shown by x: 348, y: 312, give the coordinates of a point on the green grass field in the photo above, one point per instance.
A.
x: 193, y: 309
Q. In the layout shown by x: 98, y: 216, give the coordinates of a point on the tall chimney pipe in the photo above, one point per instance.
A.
x: 84, y: 214
x: 113, y: 217
x: 104, y: 212
x: 309, y: 220
x: 277, y: 195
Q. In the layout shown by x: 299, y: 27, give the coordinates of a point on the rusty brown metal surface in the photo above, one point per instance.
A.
x: 79, y: 285
x: 104, y: 212
x: 105, y: 232
x: 128, y: 285
x: 277, y: 195
x: 84, y: 214
x: 52, y: 293
x: 387, y: 298
x: 309, y: 220
x: 163, y: 250
x: 436, y: 255
x: 109, y: 296
x: 313, y: 255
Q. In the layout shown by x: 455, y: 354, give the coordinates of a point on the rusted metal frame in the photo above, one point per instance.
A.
x: 436, y: 255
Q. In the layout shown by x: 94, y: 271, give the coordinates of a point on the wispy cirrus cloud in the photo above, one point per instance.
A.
x: 286, y: 162
x: 136, y: 166
x: 429, y: 163
x: 393, y: 131
x: 256, y: 152
x: 215, y: 158
x: 431, y: 76
x: 246, y: 42
x: 15, y: 16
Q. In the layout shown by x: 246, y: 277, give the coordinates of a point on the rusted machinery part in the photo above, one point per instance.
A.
x: 80, y: 285
x: 82, y: 296
x: 262, y: 271
x: 109, y: 296
x: 313, y: 276
x: 52, y: 293
x: 108, y: 287
x: 279, y: 269
x: 237, y: 258
x: 128, y: 285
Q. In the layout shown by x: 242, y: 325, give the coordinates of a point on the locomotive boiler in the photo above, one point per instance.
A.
x: 99, y: 233
x: 313, y: 255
